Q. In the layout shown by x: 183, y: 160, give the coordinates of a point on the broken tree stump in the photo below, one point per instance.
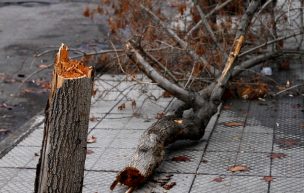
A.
x: 61, y: 165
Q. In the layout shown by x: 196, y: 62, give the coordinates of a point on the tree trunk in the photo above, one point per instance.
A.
x: 61, y: 164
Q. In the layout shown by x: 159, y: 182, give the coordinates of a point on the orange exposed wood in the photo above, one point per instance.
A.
x: 65, y: 68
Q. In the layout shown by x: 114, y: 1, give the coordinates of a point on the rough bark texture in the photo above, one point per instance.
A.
x: 150, y: 151
x: 61, y: 164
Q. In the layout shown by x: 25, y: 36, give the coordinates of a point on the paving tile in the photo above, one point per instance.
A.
x: 290, y: 166
x: 103, y: 137
x: 217, y: 162
x: 93, y: 157
x: 140, y: 123
x: 34, y: 139
x: 248, y: 184
x: 168, y: 165
x: 19, y: 156
x: 206, y: 183
x: 100, y: 182
x: 127, y: 139
x: 258, y: 129
x: 113, y: 159
x: 6, y: 174
x: 113, y: 121
x: 256, y: 142
x: 258, y: 163
x: 22, y: 182
x: 182, y: 182
x: 286, y: 185
x: 225, y: 141
x: 103, y: 107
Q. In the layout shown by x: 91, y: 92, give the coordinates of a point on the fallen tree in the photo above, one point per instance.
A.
x: 210, y: 44
x: 150, y: 151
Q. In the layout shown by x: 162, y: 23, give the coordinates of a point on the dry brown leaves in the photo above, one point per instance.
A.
x: 234, y: 124
x: 277, y: 155
x: 218, y: 179
x: 91, y: 139
x: 166, y: 94
x: 169, y: 185
x: 122, y: 106
x: 181, y: 158
x: 268, y: 178
x: 160, y: 115
x: 251, y: 92
x: 89, y: 151
x: 238, y: 168
x: 287, y: 143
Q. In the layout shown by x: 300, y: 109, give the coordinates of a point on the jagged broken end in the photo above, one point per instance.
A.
x: 130, y: 177
x: 66, y: 68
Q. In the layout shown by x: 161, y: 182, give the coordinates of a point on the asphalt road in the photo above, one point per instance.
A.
x: 26, y: 29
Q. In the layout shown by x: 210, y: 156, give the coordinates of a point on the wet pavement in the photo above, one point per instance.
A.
x: 28, y: 28
x: 262, y: 153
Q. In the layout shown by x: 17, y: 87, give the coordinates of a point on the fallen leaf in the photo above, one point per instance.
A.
x: 287, y: 143
x: 168, y: 186
x: 218, y: 179
x: 277, y: 155
x: 43, y: 84
x: 160, y: 115
x: 234, y: 124
x: 86, y: 12
x: 166, y: 94
x: 181, y: 158
x: 238, y: 168
x: 268, y: 178
x: 91, y: 139
x: 89, y: 152
x: 36, y: 154
x: 204, y: 161
x: 93, y: 119
x: 122, y: 107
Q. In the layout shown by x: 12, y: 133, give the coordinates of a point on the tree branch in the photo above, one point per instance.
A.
x: 218, y: 7
x: 135, y: 53
x: 181, y: 42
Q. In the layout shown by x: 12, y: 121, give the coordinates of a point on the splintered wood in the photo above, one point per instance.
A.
x: 66, y: 68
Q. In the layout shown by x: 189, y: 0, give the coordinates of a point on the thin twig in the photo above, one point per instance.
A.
x: 218, y: 7
x: 270, y: 42
x: 181, y: 42
x: 287, y: 89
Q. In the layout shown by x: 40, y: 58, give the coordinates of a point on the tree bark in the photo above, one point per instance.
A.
x: 61, y: 165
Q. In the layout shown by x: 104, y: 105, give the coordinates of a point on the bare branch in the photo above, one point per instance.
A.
x: 175, y: 90
x: 218, y: 7
x: 181, y: 42
x: 238, y: 42
x: 271, y: 42
x: 254, y: 61
x: 209, y: 30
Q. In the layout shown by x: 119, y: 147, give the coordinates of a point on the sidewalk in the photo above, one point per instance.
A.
x: 269, y: 144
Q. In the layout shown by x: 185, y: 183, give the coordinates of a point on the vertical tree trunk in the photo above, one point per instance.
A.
x: 61, y: 164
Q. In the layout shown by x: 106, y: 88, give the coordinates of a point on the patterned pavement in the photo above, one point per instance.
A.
x: 268, y: 144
